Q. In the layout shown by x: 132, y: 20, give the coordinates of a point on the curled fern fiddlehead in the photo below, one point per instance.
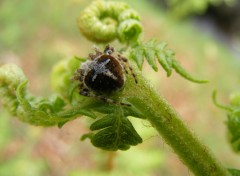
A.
x: 102, y: 21
x: 105, y: 21
x: 233, y: 119
x: 61, y: 76
x: 11, y: 77
x: 31, y: 109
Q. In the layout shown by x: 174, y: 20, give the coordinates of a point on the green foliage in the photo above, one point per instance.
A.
x: 57, y: 111
x: 31, y: 109
x: 61, y: 76
x: 112, y: 122
x: 114, y: 132
x: 11, y: 77
x: 233, y: 125
x: 233, y: 119
x: 153, y: 50
x: 105, y: 21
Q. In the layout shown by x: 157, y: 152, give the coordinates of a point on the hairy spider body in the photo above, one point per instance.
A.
x: 103, y: 74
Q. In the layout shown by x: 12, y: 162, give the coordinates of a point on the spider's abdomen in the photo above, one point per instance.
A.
x: 105, y: 75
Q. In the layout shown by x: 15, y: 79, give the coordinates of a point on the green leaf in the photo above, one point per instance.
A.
x: 233, y: 119
x: 154, y: 51
x: 214, y: 98
x: 164, y: 59
x: 114, y: 132
x: 150, y: 55
x: 33, y: 115
x: 86, y: 136
x: 57, y: 103
x: 60, y: 124
x: 46, y: 112
x: 74, y: 112
x: 180, y: 70
x: 103, y: 123
x: 98, y: 106
x: 233, y: 125
x: 61, y: 79
x: 138, y: 57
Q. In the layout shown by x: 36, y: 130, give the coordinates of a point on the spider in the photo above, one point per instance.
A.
x: 103, y: 74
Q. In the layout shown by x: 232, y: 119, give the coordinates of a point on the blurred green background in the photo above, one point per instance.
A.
x: 37, y: 34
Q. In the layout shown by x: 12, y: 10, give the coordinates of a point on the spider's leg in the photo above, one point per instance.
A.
x: 109, y: 50
x: 98, y: 53
x: 87, y: 93
x: 78, y: 75
x: 91, y: 56
x: 127, y: 65
x: 97, y: 50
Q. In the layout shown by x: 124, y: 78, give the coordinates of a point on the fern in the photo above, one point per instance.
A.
x: 233, y: 119
x: 103, y: 22
x: 114, y: 132
x: 154, y: 51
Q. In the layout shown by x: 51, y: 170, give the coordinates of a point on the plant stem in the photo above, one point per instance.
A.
x: 109, y: 166
x: 168, y: 123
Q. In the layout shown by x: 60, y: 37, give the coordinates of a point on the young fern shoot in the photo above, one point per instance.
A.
x: 107, y: 93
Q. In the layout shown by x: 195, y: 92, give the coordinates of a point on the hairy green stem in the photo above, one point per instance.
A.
x: 168, y: 123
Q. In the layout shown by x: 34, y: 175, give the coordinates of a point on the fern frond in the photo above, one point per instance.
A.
x: 113, y: 132
x: 154, y: 51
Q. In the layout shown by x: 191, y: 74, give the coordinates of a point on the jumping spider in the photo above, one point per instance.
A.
x: 103, y: 74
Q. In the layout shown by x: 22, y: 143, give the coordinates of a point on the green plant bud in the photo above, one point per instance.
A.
x: 105, y: 21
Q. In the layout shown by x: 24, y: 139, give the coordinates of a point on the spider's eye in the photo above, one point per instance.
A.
x: 109, y: 51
